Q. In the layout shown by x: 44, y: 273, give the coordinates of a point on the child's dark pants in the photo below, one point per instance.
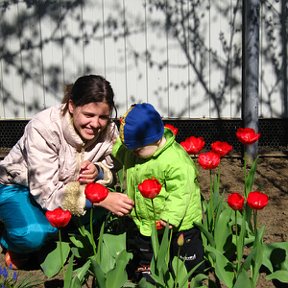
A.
x: 191, y: 252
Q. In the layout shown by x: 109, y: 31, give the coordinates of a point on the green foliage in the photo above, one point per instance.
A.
x: 275, y: 259
x: 226, y: 233
x: 162, y: 275
x: 53, y: 263
x: 233, y: 246
x: 111, y: 261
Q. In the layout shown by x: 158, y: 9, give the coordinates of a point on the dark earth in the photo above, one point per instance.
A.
x: 271, y: 178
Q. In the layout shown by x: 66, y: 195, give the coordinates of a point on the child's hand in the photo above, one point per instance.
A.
x: 161, y: 224
x: 88, y: 172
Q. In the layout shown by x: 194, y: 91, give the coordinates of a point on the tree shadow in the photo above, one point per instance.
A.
x: 183, y: 23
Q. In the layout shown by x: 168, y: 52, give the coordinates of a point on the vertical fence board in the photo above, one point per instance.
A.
x: 157, y: 90
x: 270, y: 62
x: 52, y: 53
x: 31, y: 61
x: 135, y: 44
x: 13, y: 97
x: 178, y: 61
x: 93, y: 38
x: 72, y: 42
x: 199, y: 65
x: 115, y: 49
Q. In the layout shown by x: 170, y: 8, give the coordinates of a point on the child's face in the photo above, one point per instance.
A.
x: 146, y: 151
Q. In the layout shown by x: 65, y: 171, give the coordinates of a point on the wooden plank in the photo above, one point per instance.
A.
x: 271, y: 62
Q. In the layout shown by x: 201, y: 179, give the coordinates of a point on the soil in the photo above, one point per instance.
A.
x: 271, y: 178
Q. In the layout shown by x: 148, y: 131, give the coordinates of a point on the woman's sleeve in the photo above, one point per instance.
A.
x: 42, y: 156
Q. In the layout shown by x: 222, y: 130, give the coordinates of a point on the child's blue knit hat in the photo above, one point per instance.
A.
x: 140, y: 126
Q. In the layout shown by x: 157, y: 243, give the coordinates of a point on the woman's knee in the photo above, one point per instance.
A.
x: 28, y: 240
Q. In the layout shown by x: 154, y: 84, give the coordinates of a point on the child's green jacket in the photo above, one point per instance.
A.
x: 179, y: 201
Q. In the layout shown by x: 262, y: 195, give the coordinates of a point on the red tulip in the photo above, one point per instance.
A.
x: 150, y: 188
x: 235, y: 201
x: 257, y: 200
x: 172, y: 128
x: 222, y: 148
x: 58, y: 217
x: 193, y: 145
x: 96, y: 192
x: 209, y: 160
x: 247, y: 135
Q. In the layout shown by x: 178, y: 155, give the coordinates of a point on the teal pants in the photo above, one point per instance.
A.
x: 26, y: 228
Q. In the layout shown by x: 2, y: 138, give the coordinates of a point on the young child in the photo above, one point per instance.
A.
x: 146, y: 149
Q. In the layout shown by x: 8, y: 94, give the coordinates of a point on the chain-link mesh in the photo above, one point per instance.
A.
x: 274, y: 132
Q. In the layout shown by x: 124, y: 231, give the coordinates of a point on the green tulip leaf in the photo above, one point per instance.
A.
x: 250, y: 178
x: 98, y: 273
x: 222, y: 229
x: 144, y: 284
x: 76, y: 283
x: 197, y: 281
x: 111, y: 247
x: 276, y: 256
x: 76, y: 242
x: 52, y: 263
x: 280, y: 275
x: 223, y: 267
x: 69, y: 273
x: 206, y: 233
x: 258, y: 258
x: 115, y: 243
x: 163, y: 253
x: 243, y: 280
x: 119, y: 272
x: 82, y: 271
x: 155, y: 241
x: 180, y: 272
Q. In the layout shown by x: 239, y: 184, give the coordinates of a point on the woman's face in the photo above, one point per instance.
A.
x: 90, y: 119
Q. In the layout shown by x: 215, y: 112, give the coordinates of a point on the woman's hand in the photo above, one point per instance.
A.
x: 88, y: 172
x: 118, y: 203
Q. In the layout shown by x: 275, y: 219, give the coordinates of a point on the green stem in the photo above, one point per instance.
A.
x: 218, y: 178
x: 245, y: 176
x: 60, y: 248
x: 211, y: 201
x: 153, y: 210
x: 236, y: 232
x: 255, y: 221
x: 91, y: 231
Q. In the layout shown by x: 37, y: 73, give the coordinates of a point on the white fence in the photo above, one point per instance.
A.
x: 184, y: 57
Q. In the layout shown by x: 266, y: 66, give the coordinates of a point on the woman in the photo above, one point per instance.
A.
x: 63, y: 148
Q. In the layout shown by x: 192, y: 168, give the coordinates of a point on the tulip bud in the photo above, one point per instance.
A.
x: 180, y: 240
